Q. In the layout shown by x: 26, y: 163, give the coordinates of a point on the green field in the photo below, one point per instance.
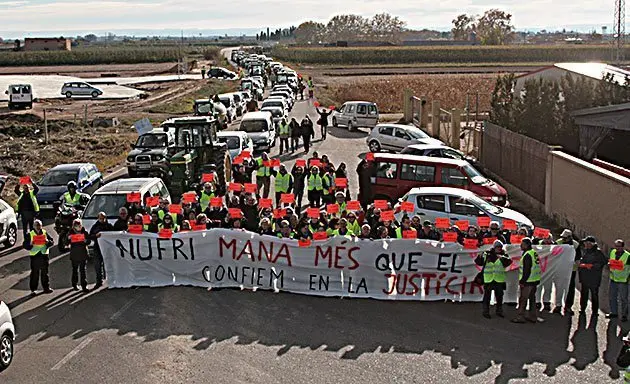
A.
x: 444, y: 54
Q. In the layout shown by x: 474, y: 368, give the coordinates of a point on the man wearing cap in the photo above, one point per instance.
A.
x: 619, y: 272
x: 590, y: 271
x: 494, y: 231
x: 405, y: 225
x: 285, y: 230
x: 566, y: 237
x: 494, y: 262
x: 529, y: 278
x: 283, y: 182
x: 427, y: 232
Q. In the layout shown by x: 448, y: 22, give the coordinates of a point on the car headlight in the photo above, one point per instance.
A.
x: 495, y: 198
x: 130, y: 159
x: 156, y: 157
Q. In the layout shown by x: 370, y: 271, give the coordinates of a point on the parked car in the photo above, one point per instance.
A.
x: 287, y: 95
x: 150, y: 154
x: 354, y: 114
x: 396, y: 137
x: 20, y: 96
x: 236, y: 141
x: 7, y: 336
x: 275, y: 103
x: 277, y: 114
x: 110, y: 197
x: 394, y: 175
x: 79, y: 88
x: 457, y: 204
x: 437, y: 150
x: 54, y: 183
x: 281, y: 87
x: 260, y: 128
x: 8, y: 221
x: 228, y: 102
x: 287, y: 102
x: 221, y: 73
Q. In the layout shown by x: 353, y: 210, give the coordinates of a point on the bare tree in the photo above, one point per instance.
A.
x: 463, y: 25
x: 386, y: 27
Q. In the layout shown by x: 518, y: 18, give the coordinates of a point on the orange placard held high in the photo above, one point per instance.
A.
x: 207, y: 178
x: 387, y: 215
x: 24, y: 180
x: 235, y: 213
x: 146, y: 219
x: 251, y: 188
x: 341, y: 182
x: 407, y: 206
x: 300, y: 163
x: 275, y: 163
x: 332, y: 208
x: 462, y: 225
x: 483, y: 221
x: 189, y: 197
x: 176, y: 209
x: 313, y: 213
x: 134, y: 197
x: 353, y: 205
x: 409, y: 235
x: 265, y: 203
x: 153, y: 201
x: 287, y: 198
x: 216, y: 202
x: 516, y: 239
x: 369, y: 156
x: 315, y: 163
x: 279, y: 213
x: 236, y: 187
x: 381, y: 204
x: 541, y: 233
x: 165, y: 233
x: 489, y: 240
x: 442, y: 223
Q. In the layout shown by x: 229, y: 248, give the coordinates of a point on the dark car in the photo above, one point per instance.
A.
x: 54, y: 183
x: 221, y: 73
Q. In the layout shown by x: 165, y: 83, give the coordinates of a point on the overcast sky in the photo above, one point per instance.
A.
x: 18, y: 17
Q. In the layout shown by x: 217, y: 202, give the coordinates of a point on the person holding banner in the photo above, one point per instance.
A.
x: 122, y: 222
x: 102, y: 225
x: 619, y: 273
x: 154, y: 224
x: 529, y: 277
x: 79, y: 240
x: 566, y: 237
x: 590, y: 272
x: 168, y: 223
x: 38, y: 243
x: 494, y: 262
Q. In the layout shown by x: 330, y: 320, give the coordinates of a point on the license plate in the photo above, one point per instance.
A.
x: 144, y: 166
x: 46, y: 206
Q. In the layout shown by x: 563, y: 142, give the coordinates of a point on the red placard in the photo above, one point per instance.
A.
x: 135, y: 229
x: 77, y: 238
x: 251, y: 188
x: 134, y: 197
x: 489, y: 240
x: 316, y: 104
x: 189, y: 197
x: 25, y: 180
x: 312, y: 213
x: 199, y: 227
x: 287, y: 198
x: 275, y: 162
x: 300, y: 163
x: 279, y: 213
x: 407, y: 206
x: 304, y: 243
x: 246, y: 155
x: 616, y: 265
x: 267, y: 163
x: 207, y: 177
x: 315, y: 163
x: 165, y: 233
x: 265, y: 203
x: 235, y: 213
x: 216, y: 201
x: 353, y: 205
x: 175, y: 208
x: 409, y: 234
x: 39, y: 240
x: 146, y: 219
x: 483, y: 221
x: 369, y: 156
x: 509, y: 225
x: 387, y: 215
x: 462, y: 225
x: 516, y: 239
x: 471, y: 243
x: 449, y: 237
x: 442, y: 223
x: 238, y: 160
x: 541, y: 233
x: 332, y: 208
x: 332, y: 107
x: 320, y: 235
x: 381, y: 204
x: 236, y: 187
x: 153, y: 201
x: 341, y: 182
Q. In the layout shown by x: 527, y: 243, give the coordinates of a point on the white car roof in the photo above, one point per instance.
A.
x: 127, y: 185
x: 359, y: 102
x: 232, y: 133
x: 256, y: 115
x: 404, y: 126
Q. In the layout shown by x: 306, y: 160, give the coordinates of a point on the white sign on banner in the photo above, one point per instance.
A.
x: 397, y: 269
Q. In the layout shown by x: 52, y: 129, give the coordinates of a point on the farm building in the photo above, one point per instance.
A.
x: 47, y: 44
x: 592, y: 71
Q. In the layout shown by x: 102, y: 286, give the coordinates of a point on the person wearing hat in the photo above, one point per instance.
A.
x: 353, y: 223
x: 494, y: 262
x: 590, y: 271
x: 494, y: 231
x: 343, y: 229
x: 427, y: 232
x: 566, y: 237
x: 366, y: 232
x: 340, y: 201
x: 619, y: 273
x: 283, y: 182
x: 285, y: 230
x: 529, y: 277
x: 405, y: 225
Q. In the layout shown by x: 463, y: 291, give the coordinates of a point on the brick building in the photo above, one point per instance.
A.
x: 47, y: 44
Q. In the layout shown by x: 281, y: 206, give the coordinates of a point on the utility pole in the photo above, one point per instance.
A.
x: 619, y: 31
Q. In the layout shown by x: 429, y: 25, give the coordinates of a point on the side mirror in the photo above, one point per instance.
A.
x: 132, y: 145
x: 83, y: 182
x: 6, y: 92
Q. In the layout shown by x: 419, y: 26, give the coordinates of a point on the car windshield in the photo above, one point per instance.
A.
x: 231, y: 141
x: 108, y: 203
x: 152, y: 140
x: 56, y: 178
x: 273, y: 103
x: 417, y: 134
x: 204, y: 108
x: 254, y: 126
x: 474, y: 174
x: 484, y: 205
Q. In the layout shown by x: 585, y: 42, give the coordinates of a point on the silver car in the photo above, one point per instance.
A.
x: 79, y: 88
x: 7, y: 336
x: 396, y: 137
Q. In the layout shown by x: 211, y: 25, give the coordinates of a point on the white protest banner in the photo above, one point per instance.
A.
x: 397, y: 269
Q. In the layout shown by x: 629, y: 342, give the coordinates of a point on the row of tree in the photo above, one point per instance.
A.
x: 380, y: 27
x: 494, y: 27
x: 278, y: 34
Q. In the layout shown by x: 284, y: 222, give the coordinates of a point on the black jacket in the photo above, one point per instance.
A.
x: 97, y: 228
x: 120, y: 225
x: 78, y: 250
x: 307, y: 128
x: 592, y: 277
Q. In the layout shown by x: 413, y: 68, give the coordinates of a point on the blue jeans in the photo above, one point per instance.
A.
x: 618, y: 289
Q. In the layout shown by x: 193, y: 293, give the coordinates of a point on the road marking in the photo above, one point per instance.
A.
x: 124, y: 308
x: 71, y: 354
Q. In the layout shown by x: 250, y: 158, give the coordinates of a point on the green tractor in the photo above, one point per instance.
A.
x: 196, y: 147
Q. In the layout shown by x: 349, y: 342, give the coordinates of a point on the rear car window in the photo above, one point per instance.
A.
x: 418, y: 172
x: 431, y: 202
x: 388, y: 131
x: 452, y: 176
x: 386, y: 170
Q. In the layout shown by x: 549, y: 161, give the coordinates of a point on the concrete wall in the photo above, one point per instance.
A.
x: 43, y: 44
x: 587, y: 198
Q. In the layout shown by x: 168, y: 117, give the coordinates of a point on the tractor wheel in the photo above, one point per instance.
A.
x: 221, y: 157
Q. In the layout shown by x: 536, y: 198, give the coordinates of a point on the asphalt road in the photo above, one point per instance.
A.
x: 191, y: 335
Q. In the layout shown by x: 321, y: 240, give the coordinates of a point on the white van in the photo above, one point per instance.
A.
x: 354, y: 114
x: 260, y: 128
x: 111, y: 197
x: 20, y: 96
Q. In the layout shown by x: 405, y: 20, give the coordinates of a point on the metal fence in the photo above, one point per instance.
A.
x: 416, y: 111
x: 518, y: 159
